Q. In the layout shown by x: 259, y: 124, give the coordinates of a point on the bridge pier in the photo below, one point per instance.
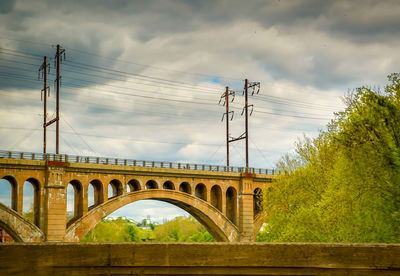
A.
x: 55, y: 211
x: 246, y: 221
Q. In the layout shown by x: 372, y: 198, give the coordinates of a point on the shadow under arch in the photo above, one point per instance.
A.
x: 219, y: 226
x: 19, y: 228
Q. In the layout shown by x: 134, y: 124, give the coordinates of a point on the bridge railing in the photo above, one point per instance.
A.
x: 131, y: 162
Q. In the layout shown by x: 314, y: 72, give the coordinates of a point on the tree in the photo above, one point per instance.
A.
x: 343, y: 186
x: 182, y: 229
x: 117, y: 230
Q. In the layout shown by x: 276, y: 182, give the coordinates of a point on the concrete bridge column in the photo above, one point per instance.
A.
x: 223, y: 199
x: 55, y: 212
x: 246, y: 225
x: 85, y: 199
x: 20, y: 196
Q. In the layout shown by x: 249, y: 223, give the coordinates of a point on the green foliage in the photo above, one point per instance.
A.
x: 182, y: 229
x: 344, y: 185
x: 123, y: 230
x: 116, y: 230
x: 29, y: 214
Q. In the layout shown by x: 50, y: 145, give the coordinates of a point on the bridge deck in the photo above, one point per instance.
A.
x: 65, y: 158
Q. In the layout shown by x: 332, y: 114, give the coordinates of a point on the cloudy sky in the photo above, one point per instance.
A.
x: 142, y: 79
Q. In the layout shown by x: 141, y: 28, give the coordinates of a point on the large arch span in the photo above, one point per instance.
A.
x: 220, y: 227
x: 20, y: 229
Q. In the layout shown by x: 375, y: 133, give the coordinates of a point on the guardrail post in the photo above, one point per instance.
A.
x: 125, y: 162
x: 144, y: 163
x: 33, y: 156
x: 195, y: 167
x: 162, y: 164
x: 210, y: 168
x: 188, y: 166
x: 179, y: 165
x: 134, y: 163
x: 66, y: 158
x: 106, y: 161
x: 152, y: 164
x: 203, y: 167
x: 9, y: 155
x: 22, y: 155
x: 217, y: 168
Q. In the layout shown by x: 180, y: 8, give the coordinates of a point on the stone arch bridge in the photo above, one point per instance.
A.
x: 223, y: 199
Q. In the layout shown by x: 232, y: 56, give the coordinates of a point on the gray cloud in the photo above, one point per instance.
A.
x: 6, y: 6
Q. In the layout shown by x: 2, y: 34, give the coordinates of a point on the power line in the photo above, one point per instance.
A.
x: 155, y: 67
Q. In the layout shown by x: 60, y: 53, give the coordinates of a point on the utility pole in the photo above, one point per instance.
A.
x: 225, y: 96
x: 44, y: 68
x: 245, y: 110
x: 227, y: 125
x: 246, y: 105
x: 58, y: 78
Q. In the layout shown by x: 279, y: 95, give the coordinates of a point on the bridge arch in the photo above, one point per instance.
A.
x: 14, y: 190
x: 201, y: 191
x: 98, y: 192
x: 168, y: 185
x: 152, y: 184
x: 134, y: 185
x: 19, y: 228
x: 257, y: 202
x: 116, y: 188
x: 77, y: 201
x: 220, y: 227
x: 36, y: 198
x: 216, y: 197
x: 185, y: 187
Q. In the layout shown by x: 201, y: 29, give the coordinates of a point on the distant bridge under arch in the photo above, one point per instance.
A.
x: 224, y: 199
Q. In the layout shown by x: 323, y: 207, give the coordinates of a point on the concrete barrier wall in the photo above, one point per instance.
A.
x: 200, y: 258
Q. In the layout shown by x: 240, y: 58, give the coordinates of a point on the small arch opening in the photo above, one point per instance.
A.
x: 31, y: 200
x: 95, y: 193
x: 151, y: 184
x: 114, y: 188
x: 216, y: 197
x: 185, y: 187
x: 231, y: 204
x: 201, y: 191
x: 257, y: 201
x: 168, y: 185
x: 74, y: 200
x: 133, y: 186
x: 8, y: 188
